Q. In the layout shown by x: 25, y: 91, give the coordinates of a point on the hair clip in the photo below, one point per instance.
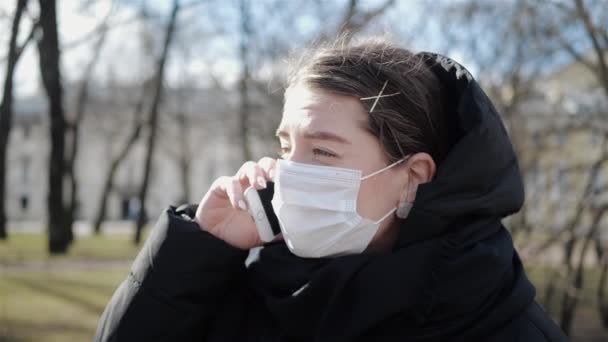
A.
x: 377, y: 97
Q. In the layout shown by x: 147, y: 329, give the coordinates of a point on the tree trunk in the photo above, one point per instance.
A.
x: 109, y: 181
x: 6, y: 109
x: 550, y: 291
x: 153, y: 121
x: 48, y: 48
x: 74, y: 127
x: 574, y: 289
x: 185, y: 176
x: 601, y: 287
x: 185, y: 156
x: 244, y: 107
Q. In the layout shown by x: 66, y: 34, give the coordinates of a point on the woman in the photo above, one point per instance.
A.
x: 395, y: 173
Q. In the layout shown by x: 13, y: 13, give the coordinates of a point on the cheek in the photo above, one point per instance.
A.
x: 376, y: 197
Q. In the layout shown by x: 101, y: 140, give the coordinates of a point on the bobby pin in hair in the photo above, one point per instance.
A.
x: 377, y: 97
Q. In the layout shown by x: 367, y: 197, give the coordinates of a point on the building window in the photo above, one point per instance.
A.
x: 124, y: 208
x: 26, y: 131
x: 24, y: 202
x: 129, y: 208
x: 25, y: 169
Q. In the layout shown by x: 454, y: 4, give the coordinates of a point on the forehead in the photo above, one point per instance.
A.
x: 321, y: 109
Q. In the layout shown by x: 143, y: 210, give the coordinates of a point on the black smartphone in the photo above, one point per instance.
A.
x: 260, y: 208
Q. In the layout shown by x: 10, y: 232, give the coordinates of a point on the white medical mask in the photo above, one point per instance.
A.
x: 317, y: 209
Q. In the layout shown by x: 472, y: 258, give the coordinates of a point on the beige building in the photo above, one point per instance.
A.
x: 208, y: 136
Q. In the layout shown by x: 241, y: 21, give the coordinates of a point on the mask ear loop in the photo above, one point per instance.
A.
x: 383, y: 169
x: 385, y: 216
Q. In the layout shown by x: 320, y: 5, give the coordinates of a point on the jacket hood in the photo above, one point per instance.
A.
x: 453, y: 273
x: 480, y: 175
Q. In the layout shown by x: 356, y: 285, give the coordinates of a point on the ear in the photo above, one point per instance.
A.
x: 420, y: 169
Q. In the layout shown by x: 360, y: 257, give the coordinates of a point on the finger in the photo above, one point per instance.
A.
x: 253, y: 174
x: 232, y: 188
x: 268, y: 165
x: 235, y: 190
x: 220, y: 186
x: 257, y: 177
x: 241, y: 174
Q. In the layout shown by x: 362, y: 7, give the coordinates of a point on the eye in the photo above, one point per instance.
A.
x: 283, y: 151
x: 323, y: 153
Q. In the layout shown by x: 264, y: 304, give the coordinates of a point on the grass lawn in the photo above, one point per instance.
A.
x: 25, y: 248
x: 63, y: 299
x: 55, y: 305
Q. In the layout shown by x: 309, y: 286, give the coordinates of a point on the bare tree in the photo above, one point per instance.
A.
x: 578, y: 28
x: 134, y: 133
x: 73, y: 128
x: 572, y: 295
x: 602, y: 256
x: 597, y: 34
x: 244, y: 107
x: 6, y: 107
x: 185, y: 157
x: 532, y: 36
x: 117, y: 160
x: 355, y: 19
x: 153, y: 119
x: 183, y: 152
x: 574, y: 268
x: 60, y: 233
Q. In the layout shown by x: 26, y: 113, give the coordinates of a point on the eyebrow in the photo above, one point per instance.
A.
x: 317, y: 135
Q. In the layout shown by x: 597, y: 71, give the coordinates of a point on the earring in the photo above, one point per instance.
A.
x: 404, y: 209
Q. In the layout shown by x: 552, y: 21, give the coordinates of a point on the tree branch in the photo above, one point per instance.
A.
x: 591, y: 34
x: 582, y: 204
x: 351, y: 24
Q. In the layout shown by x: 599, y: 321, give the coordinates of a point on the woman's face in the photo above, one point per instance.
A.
x: 323, y: 128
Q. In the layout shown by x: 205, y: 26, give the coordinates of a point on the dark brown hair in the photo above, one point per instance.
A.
x: 410, y: 122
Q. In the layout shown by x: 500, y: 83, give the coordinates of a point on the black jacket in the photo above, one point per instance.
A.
x: 453, y: 274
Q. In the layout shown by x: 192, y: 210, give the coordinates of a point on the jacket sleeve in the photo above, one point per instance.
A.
x: 176, y: 283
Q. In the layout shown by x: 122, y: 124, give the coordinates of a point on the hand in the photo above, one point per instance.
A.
x: 223, y: 210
